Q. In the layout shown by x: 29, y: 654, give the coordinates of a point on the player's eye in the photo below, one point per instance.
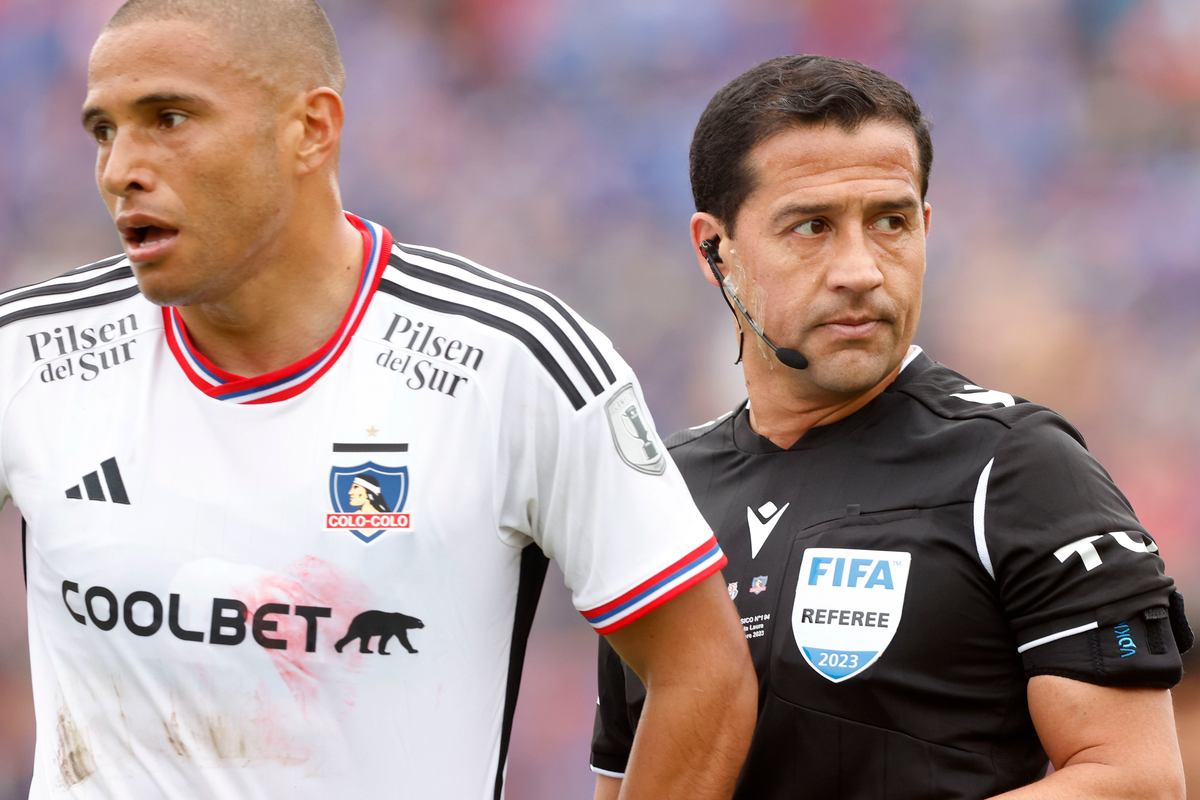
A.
x: 103, y: 133
x: 811, y: 227
x: 173, y: 119
x: 890, y: 224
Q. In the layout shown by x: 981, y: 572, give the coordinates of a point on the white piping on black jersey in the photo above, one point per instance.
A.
x: 980, y: 504
x: 450, y: 293
x: 60, y: 286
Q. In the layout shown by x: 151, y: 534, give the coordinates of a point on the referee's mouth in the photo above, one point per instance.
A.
x: 146, y: 239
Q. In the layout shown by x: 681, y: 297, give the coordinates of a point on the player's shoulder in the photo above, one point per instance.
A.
x: 522, y: 325
x: 75, y: 299
x: 102, y: 282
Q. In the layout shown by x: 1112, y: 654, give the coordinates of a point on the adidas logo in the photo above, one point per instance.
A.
x: 94, y: 489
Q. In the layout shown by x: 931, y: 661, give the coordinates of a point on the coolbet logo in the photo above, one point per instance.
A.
x: 86, y: 352
x: 368, y: 498
x: 848, y: 605
x: 142, y: 613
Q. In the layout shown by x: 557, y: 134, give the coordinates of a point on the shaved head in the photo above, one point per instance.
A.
x: 288, y: 44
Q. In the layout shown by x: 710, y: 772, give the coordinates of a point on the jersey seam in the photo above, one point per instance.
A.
x: 782, y: 699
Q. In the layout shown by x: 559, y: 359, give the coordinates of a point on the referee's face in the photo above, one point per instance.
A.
x: 830, y: 251
x: 187, y: 159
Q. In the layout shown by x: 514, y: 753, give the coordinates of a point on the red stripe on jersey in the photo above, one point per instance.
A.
x: 696, y: 557
x: 225, y: 385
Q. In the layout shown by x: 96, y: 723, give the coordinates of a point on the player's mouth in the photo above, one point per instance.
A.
x: 147, y: 242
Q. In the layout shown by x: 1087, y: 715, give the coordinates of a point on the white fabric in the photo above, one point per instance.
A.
x: 231, y: 501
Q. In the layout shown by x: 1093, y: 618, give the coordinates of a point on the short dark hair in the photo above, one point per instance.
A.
x: 787, y: 92
x: 292, y: 32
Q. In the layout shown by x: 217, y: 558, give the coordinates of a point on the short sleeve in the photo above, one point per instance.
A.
x: 619, y: 703
x: 610, y: 506
x: 1065, y: 548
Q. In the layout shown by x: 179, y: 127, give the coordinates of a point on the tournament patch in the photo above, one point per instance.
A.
x: 848, y: 606
x: 632, y: 434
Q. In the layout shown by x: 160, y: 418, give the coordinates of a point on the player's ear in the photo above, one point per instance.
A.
x: 928, y: 212
x: 705, y: 227
x: 319, y: 114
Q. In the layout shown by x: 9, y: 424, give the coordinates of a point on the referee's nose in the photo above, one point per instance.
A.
x: 853, y: 264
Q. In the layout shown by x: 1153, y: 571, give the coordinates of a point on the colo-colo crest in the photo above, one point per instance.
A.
x: 368, y: 499
x: 848, y: 606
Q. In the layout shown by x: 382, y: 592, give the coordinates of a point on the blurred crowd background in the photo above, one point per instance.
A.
x: 548, y: 139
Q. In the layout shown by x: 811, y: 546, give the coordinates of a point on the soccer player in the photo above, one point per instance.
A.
x: 191, y: 641
x: 941, y: 589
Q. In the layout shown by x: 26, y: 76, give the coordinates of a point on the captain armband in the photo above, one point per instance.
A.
x: 1141, y: 651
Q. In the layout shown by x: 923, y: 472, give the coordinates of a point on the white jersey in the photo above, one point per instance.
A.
x: 318, y: 581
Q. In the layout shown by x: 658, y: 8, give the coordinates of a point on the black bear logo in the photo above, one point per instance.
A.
x: 383, y: 624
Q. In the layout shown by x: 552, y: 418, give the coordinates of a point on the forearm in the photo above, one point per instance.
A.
x: 691, y: 741
x: 701, y: 697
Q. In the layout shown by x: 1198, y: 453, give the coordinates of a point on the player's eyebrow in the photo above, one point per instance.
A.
x: 154, y: 99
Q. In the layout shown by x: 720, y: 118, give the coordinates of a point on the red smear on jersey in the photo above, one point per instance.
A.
x: 310, y: 581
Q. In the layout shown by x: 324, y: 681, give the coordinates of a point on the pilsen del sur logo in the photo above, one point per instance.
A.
x: 368, y: 498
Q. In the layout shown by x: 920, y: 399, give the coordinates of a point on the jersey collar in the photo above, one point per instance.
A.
x: 294, y: 378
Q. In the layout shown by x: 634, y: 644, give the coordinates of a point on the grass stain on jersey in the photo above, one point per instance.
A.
x: 75, y: 761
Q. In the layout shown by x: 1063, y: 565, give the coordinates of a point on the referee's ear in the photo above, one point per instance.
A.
x: 704, y: 227
x: 313, y: 129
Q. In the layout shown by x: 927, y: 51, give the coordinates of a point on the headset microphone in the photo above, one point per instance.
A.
x: 787, y: 356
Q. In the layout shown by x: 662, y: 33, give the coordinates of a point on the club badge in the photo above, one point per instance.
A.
x: 368, y: 499
x: 848, y: 606
x: 733, y: 590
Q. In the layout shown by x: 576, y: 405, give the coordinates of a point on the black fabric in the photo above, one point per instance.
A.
x: 1137, y: 652
x: 939, y: 710
x: 618, y: 708
x: 529, y: 590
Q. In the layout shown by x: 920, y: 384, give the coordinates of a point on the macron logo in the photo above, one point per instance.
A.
x: 760, y: 529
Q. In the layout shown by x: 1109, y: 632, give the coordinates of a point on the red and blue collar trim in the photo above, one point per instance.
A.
x: 295, y: 378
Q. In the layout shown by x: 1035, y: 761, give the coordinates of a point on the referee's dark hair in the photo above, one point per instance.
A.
x: 787, y: 92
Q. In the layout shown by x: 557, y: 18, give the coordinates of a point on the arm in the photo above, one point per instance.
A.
x: 701, y: 698
x: 607, y: 788
x: 1104, y: 742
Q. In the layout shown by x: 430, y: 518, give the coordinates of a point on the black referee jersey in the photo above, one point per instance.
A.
x: 900, y: 575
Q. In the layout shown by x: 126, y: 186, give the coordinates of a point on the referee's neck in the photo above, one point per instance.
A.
x: 782, y: 411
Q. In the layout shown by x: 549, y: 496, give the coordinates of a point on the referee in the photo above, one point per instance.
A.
x: 942, y: 591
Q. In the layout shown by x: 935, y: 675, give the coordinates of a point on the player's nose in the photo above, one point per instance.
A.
x: 125, y: 168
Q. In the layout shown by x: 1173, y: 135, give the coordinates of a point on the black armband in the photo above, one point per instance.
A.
x: 1141, y: 651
